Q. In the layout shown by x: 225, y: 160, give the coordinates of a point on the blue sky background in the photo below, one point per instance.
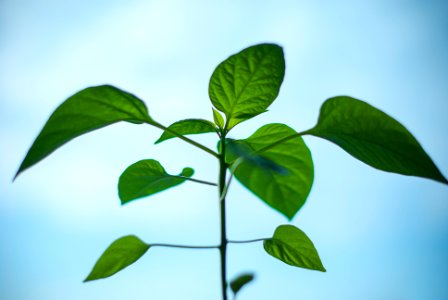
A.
x: 380, y: 235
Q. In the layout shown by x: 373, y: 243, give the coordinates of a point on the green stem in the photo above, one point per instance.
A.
x: 222, y: 197
x: 248, y: 241
x: 208, y: 150
x: 183, y: 246
x: 196, y: 180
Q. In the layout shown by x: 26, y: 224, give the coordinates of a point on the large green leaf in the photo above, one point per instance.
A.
x: 237, y: 283
x: 246, y: 83
x: 373, y: 137
x: 281, y: 175
x: 188, y: 126
x: 291, y: 245
x: 120, y: 254
x: 87, y: 110
x: 147, y: 177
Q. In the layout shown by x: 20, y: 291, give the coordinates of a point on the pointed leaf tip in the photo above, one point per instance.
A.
x: 85, y: 111
x: 246, y: 83
x: 293, y: 247
x: 239, y: 282
x: 374, y: 137
x: 119, y: 255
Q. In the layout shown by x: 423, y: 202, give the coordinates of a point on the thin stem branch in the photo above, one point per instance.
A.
x: 183, y: 246
x: 200, y: 146
x: 248, y: 241
x: 196, y: 180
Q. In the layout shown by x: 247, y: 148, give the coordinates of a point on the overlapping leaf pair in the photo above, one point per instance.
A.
x: 274, y: 163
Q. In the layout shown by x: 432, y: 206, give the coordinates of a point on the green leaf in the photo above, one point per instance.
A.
x: 291, y: 245
x: 219, y: 121
x: 241, y: 281
x: 246, y: 83
x: 188, y: 126
x: 147, y: 177
x: 282, y: 174
x: 120, y: 254
x: 373, y: 137
x: 87, y: 110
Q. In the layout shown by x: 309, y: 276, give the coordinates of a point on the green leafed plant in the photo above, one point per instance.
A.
x: 274, y: 163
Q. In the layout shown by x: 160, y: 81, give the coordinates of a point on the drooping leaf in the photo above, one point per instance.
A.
x: 188, y: 126
x: 246, y: 83
x: 291, y: 245
x: 243, y: 279
x: 120, y: 254
x: 87, y: 110
x: 147, y: 177
x: 374, y: 137
x: 281, y: 175
x: 219, y: 121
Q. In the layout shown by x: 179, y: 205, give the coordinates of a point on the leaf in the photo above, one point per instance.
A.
x: 120, y: 254
x: 246, y: 83
x: 188, y: 126
x: 281, y: 175
x: 219, y: 121
x: 241, y: 281
x: 147, y: 177
x: 87, y: 110
x: 374, y: 137
x: 291, y: 245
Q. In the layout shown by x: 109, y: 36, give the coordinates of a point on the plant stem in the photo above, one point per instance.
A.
x: 196, y: 180
x: 248, y: 241
x: 183, y: 246
x: 208, y: 150
x: 222, y: 197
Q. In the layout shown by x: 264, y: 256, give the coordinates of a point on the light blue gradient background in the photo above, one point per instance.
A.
x: 380, y: 235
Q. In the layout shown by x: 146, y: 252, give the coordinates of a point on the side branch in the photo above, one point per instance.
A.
x: 183, y: 246
x: 248, y: 241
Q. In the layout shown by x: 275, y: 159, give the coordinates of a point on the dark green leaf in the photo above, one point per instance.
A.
x: 219, y: 121
x: 291, y: 245
x: 120, y: 254
x: 282, y: 174
x: 246, y: 83
x: 373, y: 137
x: 87, y: 110
x: 189, y: 126
x: 147, y: 177
x: 241, y: 281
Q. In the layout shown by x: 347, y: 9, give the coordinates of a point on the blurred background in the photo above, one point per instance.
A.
x: 379, y: 235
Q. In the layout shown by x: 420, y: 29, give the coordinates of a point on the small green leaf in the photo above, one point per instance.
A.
x: 282, y: 174
x: 246, y: 83
x: 291, y: 245
x: 373, y: 137
x: 147, y: 177
x: 188, y: 126
x: 120, y: 254
x: 219, y: 120
x: 87, y: 110
x: 241, y: 281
